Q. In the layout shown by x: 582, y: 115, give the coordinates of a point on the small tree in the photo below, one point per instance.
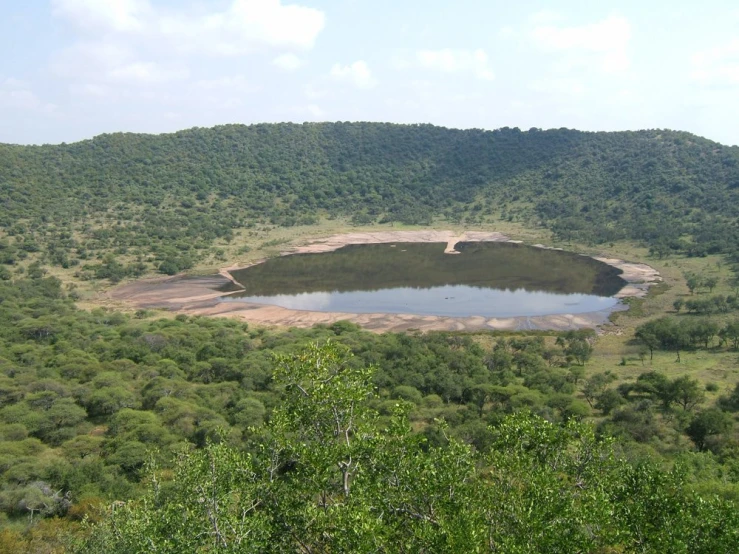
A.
x: 686, y: 392
x: 708, y: 423
x: 710, y: 282
x: 730, y: 334
x: 580, y: 349
x: 693, y: 282
x: 647, y: 334
x: 595, y: 386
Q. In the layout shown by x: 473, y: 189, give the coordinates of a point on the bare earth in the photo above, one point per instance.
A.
x: 199, y: 295
x: 388, y: 237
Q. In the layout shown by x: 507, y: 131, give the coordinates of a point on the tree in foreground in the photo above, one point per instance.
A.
x: 328, y: 476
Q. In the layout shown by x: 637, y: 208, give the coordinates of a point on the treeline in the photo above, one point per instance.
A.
x: 719, y: 304
x: 673, y: 334
x: 162, y: 200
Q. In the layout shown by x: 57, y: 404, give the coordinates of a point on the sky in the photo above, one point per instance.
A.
x: 73, y: 69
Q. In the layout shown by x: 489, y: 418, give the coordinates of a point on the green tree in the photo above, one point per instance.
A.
x: 686, y: 392
x: 211, y: 504
x: 707, y: 424
x: 596, y: 385
x: 730, y: 334
x: 324, y: 477
x: 693, y: 282
x: 710, y: 282
x: 647, y: 334
x: 580, y: 349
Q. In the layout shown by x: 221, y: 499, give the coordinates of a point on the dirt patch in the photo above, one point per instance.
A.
x: 639, y: 277
x: 204, y: 295
x: 335, y: 242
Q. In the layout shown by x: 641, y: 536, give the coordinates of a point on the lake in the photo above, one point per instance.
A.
x: 488, y: 279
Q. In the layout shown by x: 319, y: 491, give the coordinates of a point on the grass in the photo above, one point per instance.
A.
x: 708, y: 366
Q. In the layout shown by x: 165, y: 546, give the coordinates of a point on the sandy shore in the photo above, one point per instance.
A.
x: 201, y: 295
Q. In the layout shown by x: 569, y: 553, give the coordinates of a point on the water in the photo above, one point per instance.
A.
x: 485, y: 279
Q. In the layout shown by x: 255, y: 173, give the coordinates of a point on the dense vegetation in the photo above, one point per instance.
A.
x: 144, y: 432
x: 326, y: 479
x: 164, y: 199
x: 89, y: 399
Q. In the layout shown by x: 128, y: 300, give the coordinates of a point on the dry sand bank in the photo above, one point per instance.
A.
x: 200, y: 295
x: 335, y: 242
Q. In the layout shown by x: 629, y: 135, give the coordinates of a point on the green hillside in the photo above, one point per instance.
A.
x: 672, y: 190
x: 149, y: 431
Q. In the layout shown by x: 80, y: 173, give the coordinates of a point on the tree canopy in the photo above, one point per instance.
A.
x: 170, y: 196
x: 327, y: 479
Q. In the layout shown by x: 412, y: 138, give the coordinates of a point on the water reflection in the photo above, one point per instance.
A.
x: 450, y: 300
x: 486, y: 279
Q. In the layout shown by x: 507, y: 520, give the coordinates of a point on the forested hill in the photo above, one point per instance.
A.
x: 671, y: 189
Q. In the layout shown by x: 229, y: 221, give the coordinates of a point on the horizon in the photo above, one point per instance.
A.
x: 76, y: 69
x: 256, y: 123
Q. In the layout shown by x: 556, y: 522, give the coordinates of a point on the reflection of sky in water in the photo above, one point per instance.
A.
x: 450, y: 300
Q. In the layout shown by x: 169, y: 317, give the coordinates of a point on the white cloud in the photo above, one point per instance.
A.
x: 147, y: 73
x: 12, y: 82
x: 507, y: 32
x: 97, y: 63
x: 104, y: 15
x: 17, y: 94
x: 603, y: 44
x: 313, y: 92
x: 357, y: 73
x: 315, y: 111
x: 717, y: 66
x: 288, y: 62
x: 18, y: 98
x: 566, y: 87
x: 91, y: 58
x: 133, y: 48
x: 90, y: 89
x: 546, y: 17
x: 232, y: 84
x: 302, y: 112
x: 400, y: 61
x: 244, y: 26
x: 457, y: 61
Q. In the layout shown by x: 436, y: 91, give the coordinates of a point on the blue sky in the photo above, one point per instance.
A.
x: 73, y: 69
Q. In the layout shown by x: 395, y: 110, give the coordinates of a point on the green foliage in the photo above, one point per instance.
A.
x: 201, y: 439
x: 208, y: 505
x: 695, y: 282
x: 90, y: 400
x: 169, y: 197
x: 707, y: 424
x: 327, y: 480
x: 673, y: 334
x: 681, y: 391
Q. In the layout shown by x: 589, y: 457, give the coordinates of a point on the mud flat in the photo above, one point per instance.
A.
x: 274, y: 315
x: 638, y: 277
x: 335, y: 242
x: 201, y: 295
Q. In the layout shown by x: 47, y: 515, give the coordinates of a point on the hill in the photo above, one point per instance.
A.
x: 172, y: 195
